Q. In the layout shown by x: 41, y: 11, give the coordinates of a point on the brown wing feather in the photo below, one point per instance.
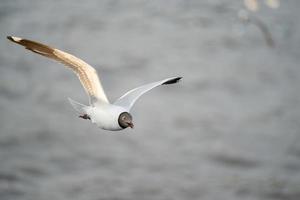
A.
x: 86, y: 73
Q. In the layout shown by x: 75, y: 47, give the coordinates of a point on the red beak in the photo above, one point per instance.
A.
x: 130, y: 124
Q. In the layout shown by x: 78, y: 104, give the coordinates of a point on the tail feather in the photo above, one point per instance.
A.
x: 80, y: 108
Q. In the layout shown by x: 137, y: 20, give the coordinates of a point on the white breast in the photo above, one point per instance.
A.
x: 106, y: 116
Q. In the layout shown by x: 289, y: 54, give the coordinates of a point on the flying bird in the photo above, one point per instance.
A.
x: 108, y: 116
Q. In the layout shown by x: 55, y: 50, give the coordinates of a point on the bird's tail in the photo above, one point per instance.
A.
x: 80, y: 108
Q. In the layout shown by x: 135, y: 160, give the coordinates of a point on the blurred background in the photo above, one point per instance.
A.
x: 229, y: 130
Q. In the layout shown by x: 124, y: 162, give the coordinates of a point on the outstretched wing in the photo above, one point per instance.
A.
x: 86, y: 73
x: 127, y: 100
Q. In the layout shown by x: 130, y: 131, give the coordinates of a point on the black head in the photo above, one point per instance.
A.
x: 125, y: 120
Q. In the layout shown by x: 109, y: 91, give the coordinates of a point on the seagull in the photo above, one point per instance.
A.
x: 108, y: 116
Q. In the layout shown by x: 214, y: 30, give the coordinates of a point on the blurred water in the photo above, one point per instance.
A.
x: 229, y: 130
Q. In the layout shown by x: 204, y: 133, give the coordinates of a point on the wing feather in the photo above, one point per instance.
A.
x: 128, y: 99
x: 86, y: 73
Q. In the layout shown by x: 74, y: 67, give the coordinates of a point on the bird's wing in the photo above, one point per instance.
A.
x: 86, y: 73
x: 127, y: 100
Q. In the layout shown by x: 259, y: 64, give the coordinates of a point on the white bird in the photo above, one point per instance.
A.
x: 115, y: 116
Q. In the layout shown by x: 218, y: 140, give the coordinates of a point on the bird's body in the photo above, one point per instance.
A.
x: 109, y: 116
x: 106, y: 116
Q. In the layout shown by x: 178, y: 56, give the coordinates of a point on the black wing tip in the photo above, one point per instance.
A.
x: 172, y: 81
x: 10, y: 38
x: 14, y: 39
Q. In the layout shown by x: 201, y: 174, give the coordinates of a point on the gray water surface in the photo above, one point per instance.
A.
x: 229, y: 130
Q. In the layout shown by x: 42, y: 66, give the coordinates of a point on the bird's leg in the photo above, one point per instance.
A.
x: 85, y: 116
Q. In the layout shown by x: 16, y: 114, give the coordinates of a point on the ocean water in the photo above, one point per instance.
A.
x: 229, y: 130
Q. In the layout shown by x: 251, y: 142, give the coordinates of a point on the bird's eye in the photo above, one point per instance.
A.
x: 123, y: 118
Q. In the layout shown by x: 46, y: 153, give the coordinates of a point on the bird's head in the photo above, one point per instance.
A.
x: 125, y: 120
